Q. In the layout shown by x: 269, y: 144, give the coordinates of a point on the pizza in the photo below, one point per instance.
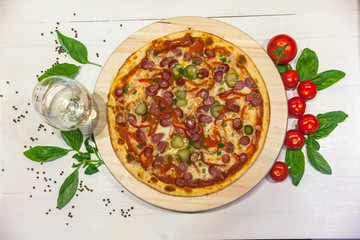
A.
x: 188, y: 113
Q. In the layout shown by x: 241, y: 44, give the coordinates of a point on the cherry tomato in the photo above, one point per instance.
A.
x: 282, y: 49
x: 307, y: 90
x: 290, y: 79
x: 294, y: 139
x: 296, y: 107
x: 308, y: 123
x: 279, y: 171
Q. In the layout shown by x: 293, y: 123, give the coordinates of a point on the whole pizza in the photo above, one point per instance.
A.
x: 188, y: 113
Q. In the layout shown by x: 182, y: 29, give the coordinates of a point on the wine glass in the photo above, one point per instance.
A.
x: 63, y: 103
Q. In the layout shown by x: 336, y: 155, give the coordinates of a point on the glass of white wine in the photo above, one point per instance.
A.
x: 64, y: 103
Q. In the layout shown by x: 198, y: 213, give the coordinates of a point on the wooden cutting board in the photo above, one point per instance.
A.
x: 278, y: 109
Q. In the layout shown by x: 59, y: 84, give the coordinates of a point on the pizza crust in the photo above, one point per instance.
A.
x: 131, y: 161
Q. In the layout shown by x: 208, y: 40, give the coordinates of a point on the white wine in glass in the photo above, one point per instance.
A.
x: 64, y: 103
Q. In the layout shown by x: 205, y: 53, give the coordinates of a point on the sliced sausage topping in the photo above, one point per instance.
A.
x: 162, y: 146
x: 203, y: 118
x: 119, y: 91
x: 157, y: 137
x: 157, y: 163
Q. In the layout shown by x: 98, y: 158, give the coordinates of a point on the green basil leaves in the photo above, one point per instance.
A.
x: 68, y: 189
x: 307, y: 67
x: 283, y: 67
x: 63, y: 69
x: 75, y: 49
x: 45, y: 153
x: 307, y: 64
x: 73, y: 139
x: 296, y: 162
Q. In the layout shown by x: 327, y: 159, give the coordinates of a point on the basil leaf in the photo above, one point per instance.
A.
x: 81, y: 156
x: 283, y: 67
x: 332, y: 117
x: 91, y: 169
x: 295, y: 160
x: 45, y: 153
x: 74, y: 48
x: 307, y: 64
x: 89, y: 148
x: 318, y: 161
x: 64, y: 69
x: 73, y: 138
x: 314, y: 144
x: 323, y: 131
x: 327, y: 78
x: 68, y: 189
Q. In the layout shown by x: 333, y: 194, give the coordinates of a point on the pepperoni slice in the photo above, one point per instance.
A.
x: 209, y: 101
x: 119, y: 91
x: 152, y: 90
x: 249, y: 82
x: 214, y: 171
x: 183, y: 167
x: 165, y: 122
x: 204, y: 93
x: 154, y: 109
x: 194, y: 156
x: 243, y: 157
x: 164, y: 84
x: 148, y: 151
x: 162, y: 146
x: 197, y: 60
x: 132, y: 119
x: 180, y: 82
x: 172, y: 63
x: 179, y: 113
x: 235, y: 108
x: 190, y: 122
x: 202, y: 109
x: 194, y: 130
x: 237, y: 124
x: 250, y: 96
x: 166, y: 75
x: 195, y: 137
x: 225, y: 158
x: 202, y: 73
x: 203, y: 118
x: 229, y: 147
x: 188, y: 176
x: 157, y: 163
x: 223, y: 67
x: 244, y: 140
x: 180, y: 182
x: 146, y: 65
x: 257, y: 101
x: 168, y: 94
x: 239, y: 85
x: 165, y: 62
x: 218, y: 76
x: 209, y: 53
x: 141, y: 136
x: 157, y: 137
x: 187, y: 56
x: 177, y: 52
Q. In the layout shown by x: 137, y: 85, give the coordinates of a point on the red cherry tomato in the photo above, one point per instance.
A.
x: 296, y: 107
x: 279, y: 171
x: 308, y: 123
x: 307, y: 90
x: 282, y: 49
x: 290, y: 79
x: 294, y: 139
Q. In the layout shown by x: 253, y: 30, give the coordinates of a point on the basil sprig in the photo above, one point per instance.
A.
x: 74, y: 48
x: 295, y: 158
x: 74, y: 139
x: 296, y: 162
x: 307, y: 67
x: 63, y: 69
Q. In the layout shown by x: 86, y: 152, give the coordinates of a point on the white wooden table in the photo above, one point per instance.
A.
x: 320, y: 207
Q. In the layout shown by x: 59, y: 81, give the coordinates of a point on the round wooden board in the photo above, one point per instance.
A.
x: 278, y: 110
